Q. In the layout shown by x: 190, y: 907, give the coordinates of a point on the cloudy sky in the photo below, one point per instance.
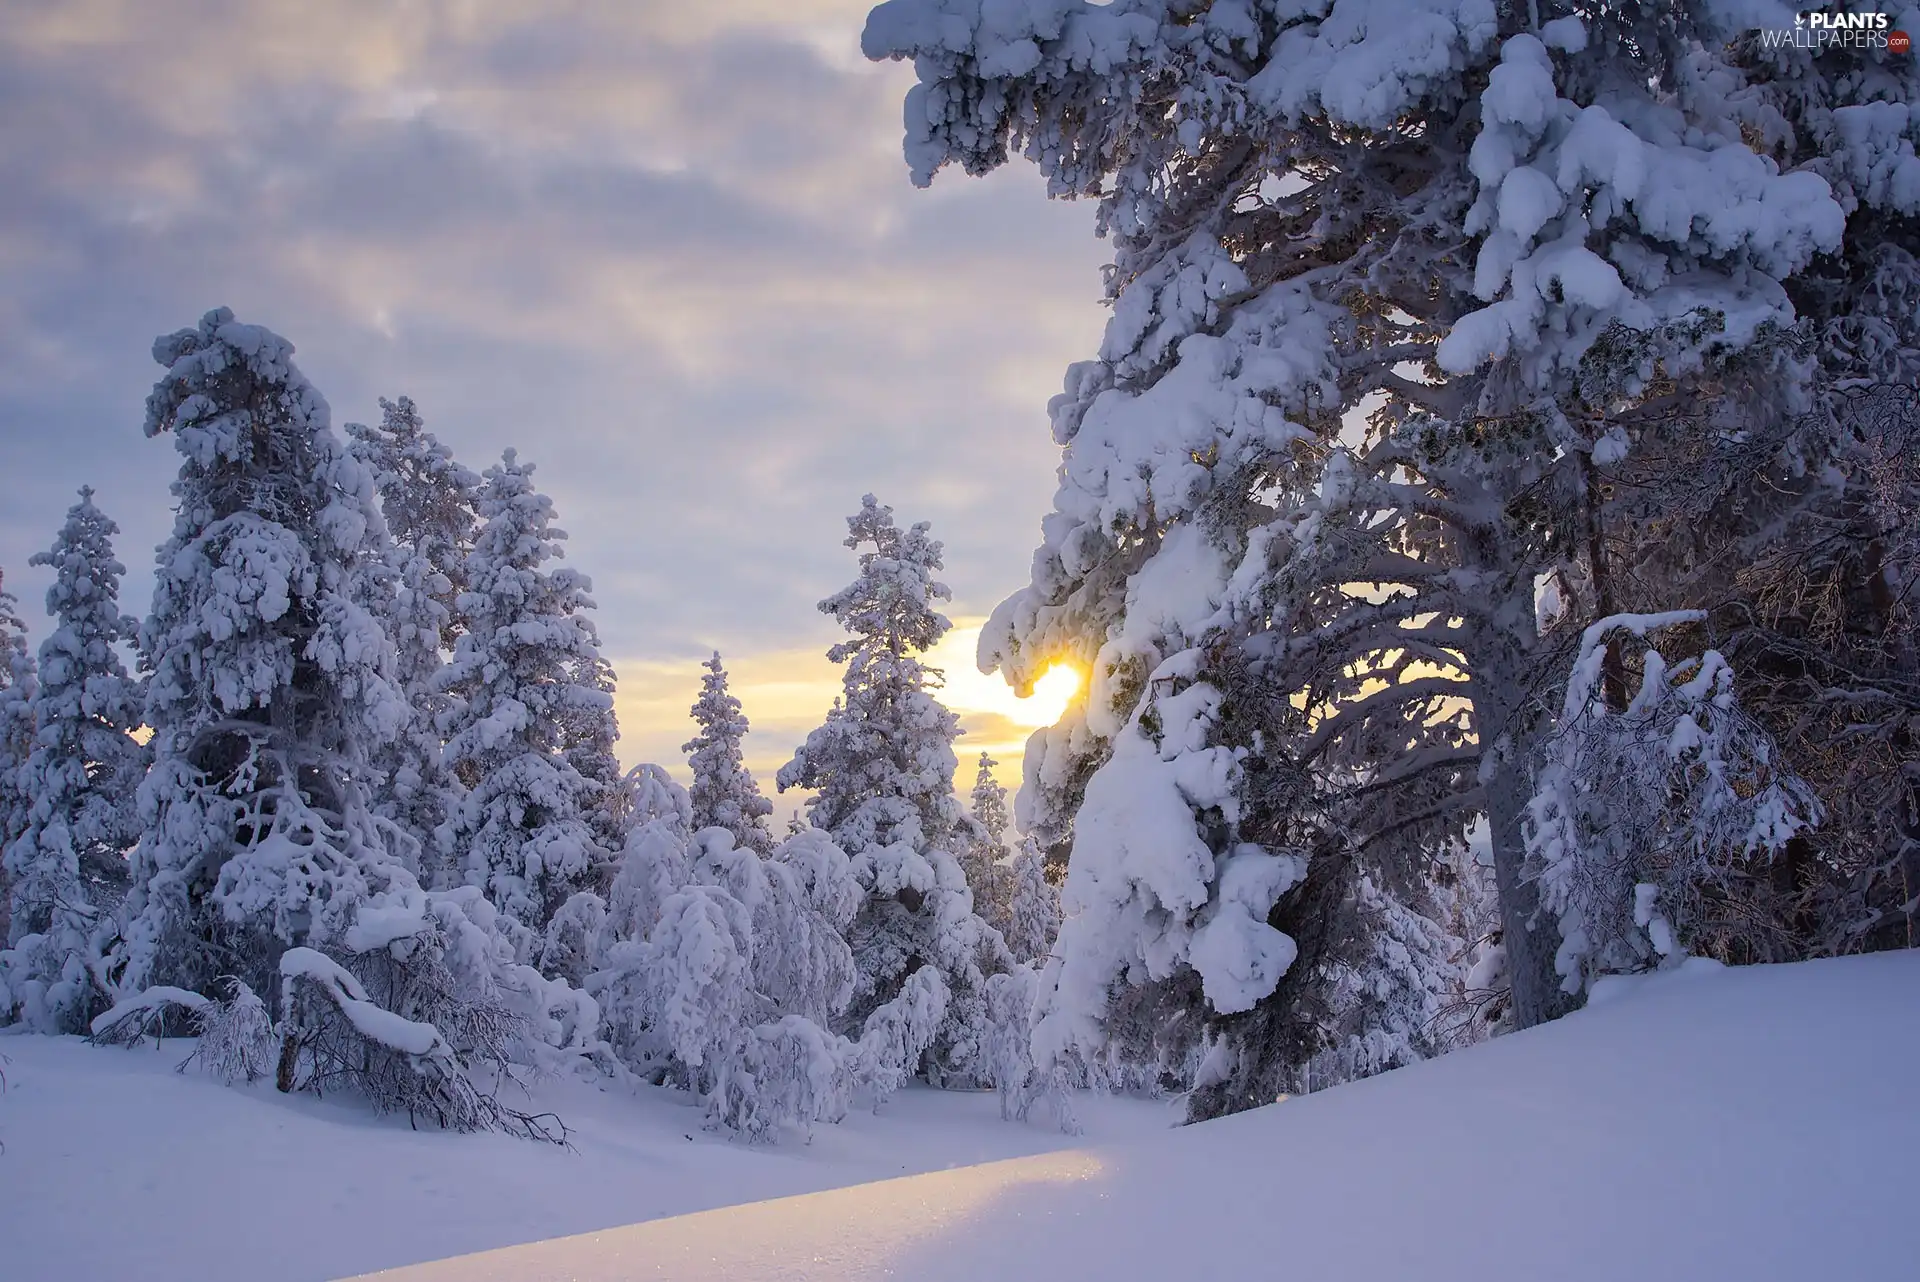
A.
x: 667, y: 250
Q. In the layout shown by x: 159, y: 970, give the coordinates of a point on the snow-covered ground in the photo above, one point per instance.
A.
x: 1753, y: 1124
x: 1746, y: 1125
x: 113, y: 1166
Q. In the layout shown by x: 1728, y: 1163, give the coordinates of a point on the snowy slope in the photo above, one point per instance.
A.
x: 1751, y: 1125
x: 113, y: 1166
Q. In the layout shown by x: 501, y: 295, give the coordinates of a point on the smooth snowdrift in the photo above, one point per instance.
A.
x: 114, y: 1166
x: 1752, y: 1124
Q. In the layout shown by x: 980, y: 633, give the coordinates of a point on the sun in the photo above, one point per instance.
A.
x: 1052, y: 694
x: 968, y: 690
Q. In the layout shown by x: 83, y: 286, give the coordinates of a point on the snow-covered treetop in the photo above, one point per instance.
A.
x: 989, y: 803
x: 529, y: 643
x: 13, y: 631
x: 428, y: 500
x: 883, y: 763
x: 724, y: 794
x: 242, y: 415
x: 276, y: 528
x: 517, y: 534
x: 426, y: 495
x: 890, y: 605
x: 82, y: 677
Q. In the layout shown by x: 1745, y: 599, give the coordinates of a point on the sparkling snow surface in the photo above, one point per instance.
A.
x: 1744, y: 1124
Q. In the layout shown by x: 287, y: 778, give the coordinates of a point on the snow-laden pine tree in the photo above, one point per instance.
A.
x: 1396, y: 283
x: 16, y: 727
x: 263, y: 876
x: 980, y: 856
x: 881, y: 768
x: 724, y: 794
x: 268, y: 676
x: 523, y: 679
x: 428, y: 501
x: 68, y: 867
x: 589, y: 734
x: 1033, y: 908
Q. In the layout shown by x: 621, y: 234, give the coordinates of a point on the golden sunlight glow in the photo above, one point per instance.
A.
x: 907, y: 1223
x: 968, y: 689
x: 787, y: 692
x: 1053, y: 693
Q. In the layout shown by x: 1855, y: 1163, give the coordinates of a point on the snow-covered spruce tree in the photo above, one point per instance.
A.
x: 990, y: 882
x: 881, y: 768
x: 589, y: 733
x: 268, y: 676
x: 68, y: 867
x: 1033, y: 909
x: 1645, y: 818
x: 428, y: 501
x: 262, y: 873
x: 1392, y: 290
x: 17, y: 684
x: 523, y: 678
x: 724, y: 794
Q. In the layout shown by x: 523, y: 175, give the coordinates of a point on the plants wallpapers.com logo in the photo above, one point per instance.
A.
x: 1821, y: 30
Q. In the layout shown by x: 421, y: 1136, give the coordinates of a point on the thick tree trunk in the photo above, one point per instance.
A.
x: 1501, y: 667
x: 1529, y: 937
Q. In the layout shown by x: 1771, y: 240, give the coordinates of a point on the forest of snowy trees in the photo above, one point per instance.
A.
x: 1490, y: 528
x: 354, y: 817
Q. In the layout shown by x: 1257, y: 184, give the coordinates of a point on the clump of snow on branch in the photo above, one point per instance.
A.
x: 1591, y: 215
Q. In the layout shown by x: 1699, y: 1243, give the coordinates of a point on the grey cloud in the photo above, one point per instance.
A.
x: 686, y: 275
